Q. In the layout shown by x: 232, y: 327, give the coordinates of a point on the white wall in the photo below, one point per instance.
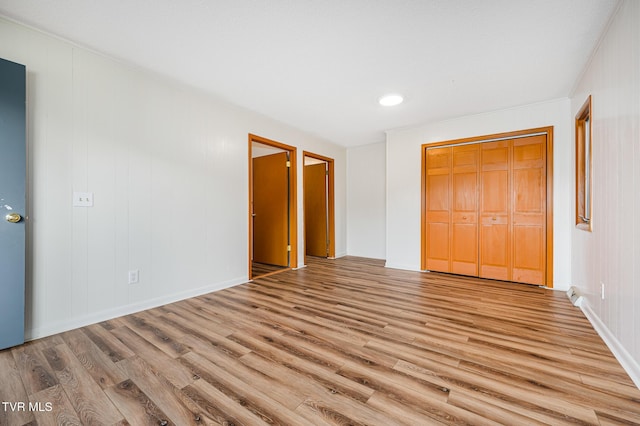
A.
x: 366, y: 207
x: 168, y: 168
x: 610, y: 254
x: 404, y: 174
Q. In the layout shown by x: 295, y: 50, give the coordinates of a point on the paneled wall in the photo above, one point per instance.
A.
x: 609, y: 256
x: 366, y: 177
x: 168, y: 169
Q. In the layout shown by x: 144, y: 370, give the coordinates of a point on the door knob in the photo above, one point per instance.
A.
x: 13, y: 217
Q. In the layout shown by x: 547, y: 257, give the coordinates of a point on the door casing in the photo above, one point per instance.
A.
x: 331, y: 228
x: 293, y: 199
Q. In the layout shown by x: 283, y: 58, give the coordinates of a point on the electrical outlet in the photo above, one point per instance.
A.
x: 83, y: 199
x: 134, y: 276
x: 602, y: 291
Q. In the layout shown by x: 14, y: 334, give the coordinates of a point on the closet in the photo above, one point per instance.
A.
x: 486, y: 207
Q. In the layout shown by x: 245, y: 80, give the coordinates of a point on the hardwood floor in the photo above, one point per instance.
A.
x: 343, y: 341
x: 261, y: 269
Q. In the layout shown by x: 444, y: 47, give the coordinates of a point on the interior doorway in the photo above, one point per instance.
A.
x: 319, y: 205
x: 272, y: 207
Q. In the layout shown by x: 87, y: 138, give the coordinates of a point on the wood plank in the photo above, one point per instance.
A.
x: 137, y: 408
x: 52, y: 408
x: 108, y: 343
x: 242, y: 391
x: 153, y: 356
x: 12, y: 392
x: 175, y: 404
x: 162, y: 337
x: 220, y: 407
x: 34, y: 369
x: 321, y: 404
x: 103, y: 370
x: 258, y: 379
x: 90, y: 403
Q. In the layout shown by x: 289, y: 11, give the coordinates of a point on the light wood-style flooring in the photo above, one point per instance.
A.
x: 261, y: 269
x: 343, y: 341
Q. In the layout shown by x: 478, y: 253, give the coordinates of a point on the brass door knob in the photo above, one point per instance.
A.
x: 13, y: 217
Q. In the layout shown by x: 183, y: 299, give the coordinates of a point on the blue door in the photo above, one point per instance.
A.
x: 12, y: 202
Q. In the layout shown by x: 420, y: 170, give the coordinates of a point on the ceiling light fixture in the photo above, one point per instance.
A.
x: 390, y: 100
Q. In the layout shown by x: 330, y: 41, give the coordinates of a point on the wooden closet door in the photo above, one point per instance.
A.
x: 464, y: 215
x: 495, y: 206
x: 529, y: 180
x: 315, y: 210
x: 271, y: 209
x: 438, y: 209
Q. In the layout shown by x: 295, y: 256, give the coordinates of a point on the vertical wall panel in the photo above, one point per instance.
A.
x: 366, y: 234
x: 609, y: 255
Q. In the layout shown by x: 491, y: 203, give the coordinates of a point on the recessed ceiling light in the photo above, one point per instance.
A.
x: 390, y: 100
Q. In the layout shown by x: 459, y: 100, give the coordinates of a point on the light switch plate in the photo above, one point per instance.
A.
x: 83, y: 199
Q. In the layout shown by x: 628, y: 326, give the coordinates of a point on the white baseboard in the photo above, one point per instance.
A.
x: 96, y: 317
x: 401, y: 266
x: 625, y: 359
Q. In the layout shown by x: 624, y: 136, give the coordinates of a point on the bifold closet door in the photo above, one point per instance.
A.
x: 486, y: 211
x: 438, y: 209
x: 513, y: 210
x: 529, y: 210
x: 464, y: 210
x: 495, y: 226
x: 452, y: 209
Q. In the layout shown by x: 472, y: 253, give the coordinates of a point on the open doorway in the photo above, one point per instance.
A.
x: 319, y: 216
x: 272, y: 207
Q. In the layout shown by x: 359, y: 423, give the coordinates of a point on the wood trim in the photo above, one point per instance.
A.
x: 583, y: 114
x: 423, y: 208
x: 331, y: 198
x: 480, y: 139
x: 293, y: 198
x: 486, y: 138
x: 549, y: 274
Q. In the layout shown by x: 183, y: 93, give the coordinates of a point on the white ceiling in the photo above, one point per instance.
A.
x: 322, y: 65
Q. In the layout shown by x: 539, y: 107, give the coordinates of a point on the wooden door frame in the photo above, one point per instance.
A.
x: 293, y: 199
x: 490, y: 138
x: 331, y: 209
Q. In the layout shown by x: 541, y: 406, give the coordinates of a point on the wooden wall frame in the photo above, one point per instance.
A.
x: 490, y: 138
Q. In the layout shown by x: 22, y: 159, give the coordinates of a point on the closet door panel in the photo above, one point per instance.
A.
x: 494, y: 250
x: 438, y: 247
x: 529, y: 210
x: 528, y: 259
x: 464, y: 259
x: 464, y: 216
x: 438, y: 209
x: 495, y: 241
